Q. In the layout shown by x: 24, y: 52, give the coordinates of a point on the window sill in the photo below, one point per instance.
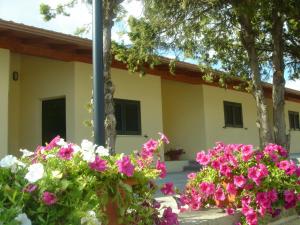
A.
x: 245, y: 128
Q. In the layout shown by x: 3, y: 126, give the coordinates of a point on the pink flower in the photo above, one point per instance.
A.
x: 216, y: 164
x: 169, y: 218
x: 164, y: 138
x: 207, y: 188
x: 53, y: 143
x: 297, y: 171
x: 49, y: 198
x: 219, y: 194
x: 284, y: 165
x: 247, y: 151
x: 149, y: 148
x: 239, y: 181
x: 30, y: 188
x: 168, y: 189
x: 66, y: 152
x: 125, y: 166
x: 289, y: 195
x: 98, y: 164
x: 225, y: 170
x: 230, y: 188
x: 161, y: 166
x: 246, y: 201
x: 251, y: 218
x: 257, y: 173
x: 273, y: 196
x: 262, y: 199
x: 202, y: 158
x: 191, y: 176
x: 230, y: 211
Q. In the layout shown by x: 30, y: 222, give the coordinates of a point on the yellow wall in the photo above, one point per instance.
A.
x: 191, y: 115
x: 14, y: 105
x: 4, y: 92
x: 43, y: 79
x: 214, y: 117
x: 295, y: 134
x: 183, y: 117
x: 46, y: 79
x: 147, y: 90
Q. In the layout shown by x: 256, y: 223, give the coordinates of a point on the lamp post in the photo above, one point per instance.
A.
x: 98, y: 79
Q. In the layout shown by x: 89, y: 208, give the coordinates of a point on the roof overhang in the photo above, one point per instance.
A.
x: 34, y: 41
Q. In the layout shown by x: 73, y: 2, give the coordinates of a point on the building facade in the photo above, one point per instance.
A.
x: 46, y: 85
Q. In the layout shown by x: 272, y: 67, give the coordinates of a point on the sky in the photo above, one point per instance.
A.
x: 27, y: 12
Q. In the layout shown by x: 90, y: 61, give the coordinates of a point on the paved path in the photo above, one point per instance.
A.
x: 179, y: 179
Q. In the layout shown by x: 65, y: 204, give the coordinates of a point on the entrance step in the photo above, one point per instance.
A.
x: 193, y: 166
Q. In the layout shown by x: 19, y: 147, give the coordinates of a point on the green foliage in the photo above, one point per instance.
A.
x: 209, y: 31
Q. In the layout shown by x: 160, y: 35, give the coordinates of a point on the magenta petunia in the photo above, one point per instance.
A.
x: 161, y: 166
x: 207, y: 188
x: 239, y: 181
x: 168, y: 189
x: 98, y: 164
x: 247, y: 151
x: 229, y: 211
x: 53, y: 143
x: 202, y: 158
x: 125, y: 166
x: 66, y: 152
x: 169, y: 217
x: 30, y: 188
x: 231, y: 189
x: 164, y: 138
x: 219, y: 194
x: 49, y: 198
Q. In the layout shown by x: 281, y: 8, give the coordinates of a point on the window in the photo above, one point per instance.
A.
x: 233, y: 114
x: 128, y: 116
x: 53, y: 119
x: 294, y: 120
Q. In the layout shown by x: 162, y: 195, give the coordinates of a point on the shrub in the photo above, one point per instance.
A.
x: 238, y: 176
x: 63, y: 183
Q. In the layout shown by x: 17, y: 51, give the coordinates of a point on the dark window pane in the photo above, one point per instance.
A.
x: 294, y: 120
x: 297, y: 121
x: 53, y: 119
x: 132, y: 117
x: 128, y: 117
x: 233, y: 114
x: 118, y: 114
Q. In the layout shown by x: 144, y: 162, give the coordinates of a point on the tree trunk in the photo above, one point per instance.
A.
x: 247, y: 36
x: 109, y: 89
x: 278, y: 79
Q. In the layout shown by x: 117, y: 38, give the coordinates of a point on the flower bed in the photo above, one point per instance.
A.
x: 63, y: 183
x: 238, y: 176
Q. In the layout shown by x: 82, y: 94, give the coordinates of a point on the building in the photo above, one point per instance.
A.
x: 45, y: 86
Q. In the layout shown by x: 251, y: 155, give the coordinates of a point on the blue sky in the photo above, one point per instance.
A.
x: 27, y: 12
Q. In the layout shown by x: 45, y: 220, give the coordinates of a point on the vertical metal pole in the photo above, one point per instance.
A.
x: 98, y: 80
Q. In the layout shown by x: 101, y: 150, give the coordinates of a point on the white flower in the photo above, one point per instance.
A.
x: 87, y: 145
x: 56, y: 174
x: 90, y: 219
x: 88, y: 156
x: 26, y: 153
x: 61, y: 142
x: 88, y: 151
x: 23, y: 219
x: 8, y: 161
x: 101, y: 151
x: 50, y: 156
x: 35, y: 172
x: 11, y: 162
x: 76, y: 148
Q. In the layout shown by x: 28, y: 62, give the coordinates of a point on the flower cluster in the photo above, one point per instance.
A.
x: 238, y: 176
x: 63, y: 183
